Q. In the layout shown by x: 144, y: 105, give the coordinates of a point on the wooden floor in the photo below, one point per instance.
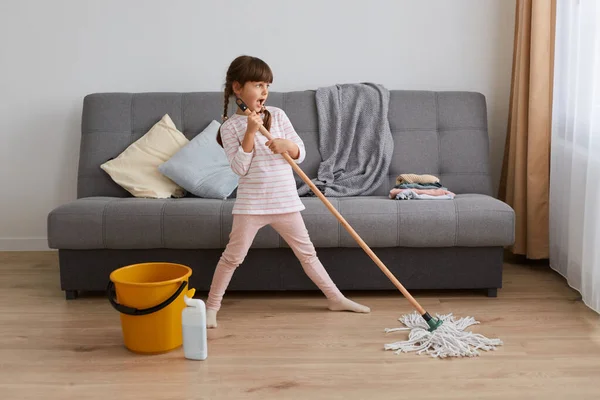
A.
x: 287, y: 346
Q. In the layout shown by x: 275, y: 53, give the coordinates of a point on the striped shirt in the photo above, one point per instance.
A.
x: 266, y: 184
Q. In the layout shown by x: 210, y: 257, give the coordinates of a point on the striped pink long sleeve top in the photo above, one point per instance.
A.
x: 266, y: 184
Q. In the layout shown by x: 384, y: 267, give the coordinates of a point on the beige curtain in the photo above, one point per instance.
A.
x: 525, y: 178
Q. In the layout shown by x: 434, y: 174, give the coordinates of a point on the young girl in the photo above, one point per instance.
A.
x: 267, y: 192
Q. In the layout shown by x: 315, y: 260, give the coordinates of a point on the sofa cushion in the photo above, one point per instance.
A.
x: 469, y: 220
x: 136, y: 168
x: 201, y: 167
x: 440, y: 133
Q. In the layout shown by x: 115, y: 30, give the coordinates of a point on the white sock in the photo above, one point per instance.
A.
x: 211, y: 318
x: 345, y: 304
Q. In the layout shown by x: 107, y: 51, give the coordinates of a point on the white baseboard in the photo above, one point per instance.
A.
x: 24, y: 244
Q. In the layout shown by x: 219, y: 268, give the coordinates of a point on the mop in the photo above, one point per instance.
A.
x: 441, y: 336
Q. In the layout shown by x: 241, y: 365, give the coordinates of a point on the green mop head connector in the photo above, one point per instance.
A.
x: 440, y: 337
x: 433, y: 323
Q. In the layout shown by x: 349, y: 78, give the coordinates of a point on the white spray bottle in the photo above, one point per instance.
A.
x: 193, y: 319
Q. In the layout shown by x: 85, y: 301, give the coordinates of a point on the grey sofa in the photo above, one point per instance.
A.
x: 427, y: 244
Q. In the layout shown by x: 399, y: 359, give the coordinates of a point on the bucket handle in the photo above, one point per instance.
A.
x: 136, y: 311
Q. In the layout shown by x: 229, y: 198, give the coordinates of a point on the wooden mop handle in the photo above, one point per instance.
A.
x: 343, y: 221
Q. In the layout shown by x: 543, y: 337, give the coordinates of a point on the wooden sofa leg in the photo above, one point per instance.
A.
x: 71, y: 294
x: 492, y: 292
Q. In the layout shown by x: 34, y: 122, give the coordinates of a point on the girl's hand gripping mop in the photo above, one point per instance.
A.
x: 440, y: 337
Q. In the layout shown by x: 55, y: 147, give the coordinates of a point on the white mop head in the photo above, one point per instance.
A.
x: 448, y: 340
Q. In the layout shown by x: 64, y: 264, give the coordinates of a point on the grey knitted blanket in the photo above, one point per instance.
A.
x: 355, y: 140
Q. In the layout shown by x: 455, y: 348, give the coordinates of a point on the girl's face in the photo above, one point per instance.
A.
x: 254, y: 94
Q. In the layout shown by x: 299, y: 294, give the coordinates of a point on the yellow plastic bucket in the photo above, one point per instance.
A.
x: 149, y: 298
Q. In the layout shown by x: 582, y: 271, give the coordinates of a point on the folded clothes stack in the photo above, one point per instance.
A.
x: 419, y: 187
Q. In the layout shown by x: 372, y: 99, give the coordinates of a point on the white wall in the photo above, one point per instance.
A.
x: 54, y: 53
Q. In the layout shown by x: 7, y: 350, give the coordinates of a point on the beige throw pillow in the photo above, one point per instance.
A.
x: 136, y: 168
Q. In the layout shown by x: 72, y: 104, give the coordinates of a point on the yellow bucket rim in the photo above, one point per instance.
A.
x: 161, y: 283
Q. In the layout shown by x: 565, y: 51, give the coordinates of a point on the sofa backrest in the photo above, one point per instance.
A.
x: 439, y: 133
